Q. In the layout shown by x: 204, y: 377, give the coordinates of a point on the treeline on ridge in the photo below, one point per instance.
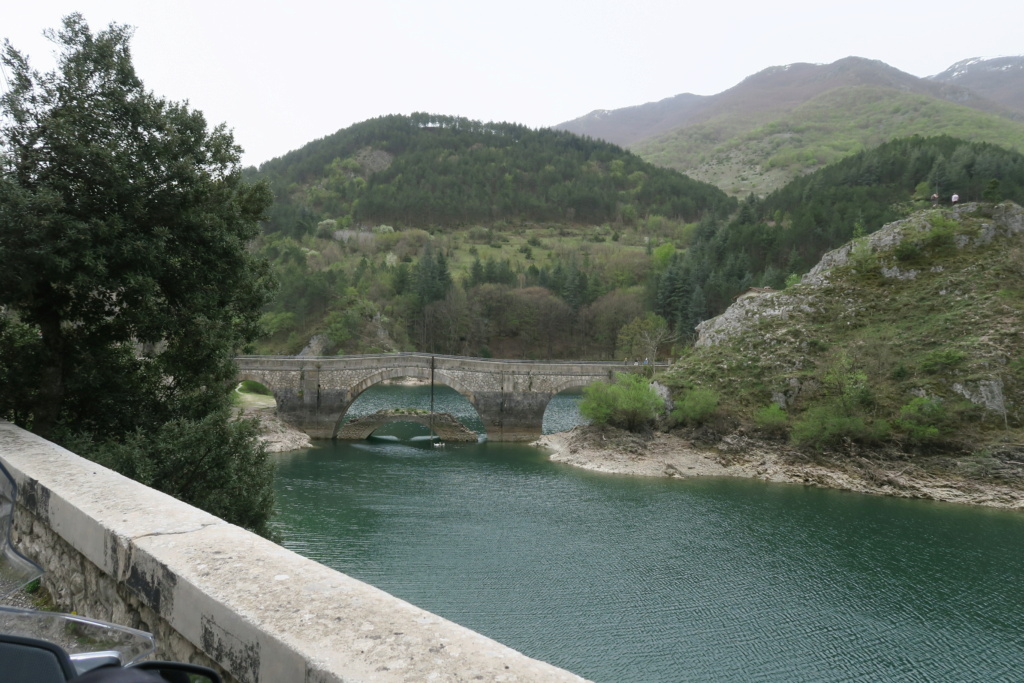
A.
x: 427, y: 170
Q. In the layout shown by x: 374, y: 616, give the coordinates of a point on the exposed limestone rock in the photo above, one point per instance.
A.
x: 988, y: 393
x: 317, y: 346
x: 746, y: 312
x: 274, y: 432
x: 665, y: 394
x: 278, y: 436
x: 899, y: 274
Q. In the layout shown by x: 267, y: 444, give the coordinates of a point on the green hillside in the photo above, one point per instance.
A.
x: 424, y: 171
x: 443, y: 234
x: 751, y: 150
x: 547, y: 289
x: 908, y: 339
x: 784, y: 234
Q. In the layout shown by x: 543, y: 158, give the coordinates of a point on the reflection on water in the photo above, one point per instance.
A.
x: 635, y: 579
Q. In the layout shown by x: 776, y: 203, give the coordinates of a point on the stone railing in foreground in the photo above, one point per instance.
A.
x: 214, y: 593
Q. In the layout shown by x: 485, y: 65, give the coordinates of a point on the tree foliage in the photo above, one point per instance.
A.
x: 424, y: 169
x: 127, y: 285
x: 696, y: 406
x: 643, y: 336
x: 628, y: 402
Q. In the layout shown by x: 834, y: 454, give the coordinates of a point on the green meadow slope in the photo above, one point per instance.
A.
x: 907, y: 345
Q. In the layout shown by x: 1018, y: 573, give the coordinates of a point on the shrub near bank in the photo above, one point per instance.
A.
x: 628, y: 402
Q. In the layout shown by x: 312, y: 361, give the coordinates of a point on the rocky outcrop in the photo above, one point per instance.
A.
x: 318, y: 345
x: 747, y: 311
x: 278, y: 436
x: 928, y: 307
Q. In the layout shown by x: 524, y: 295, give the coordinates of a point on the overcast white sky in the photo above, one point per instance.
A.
x: 282, y: 74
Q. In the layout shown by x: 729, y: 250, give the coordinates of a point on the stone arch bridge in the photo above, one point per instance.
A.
x: 314, y: 393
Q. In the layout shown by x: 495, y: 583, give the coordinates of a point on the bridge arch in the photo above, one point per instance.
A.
x: 436, y: 376
x: 439, y: 377
x: 571, y: 383
x: 444, y: 425
x: 265, y: 379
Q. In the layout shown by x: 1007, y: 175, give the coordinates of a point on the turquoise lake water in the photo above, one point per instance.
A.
x: 634, y: 579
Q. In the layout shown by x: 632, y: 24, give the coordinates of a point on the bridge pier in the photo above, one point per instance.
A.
x: 511, y: 416
x: 313, y: 410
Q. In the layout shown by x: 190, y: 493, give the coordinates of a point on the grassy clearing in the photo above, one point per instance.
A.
x: 252, y: 395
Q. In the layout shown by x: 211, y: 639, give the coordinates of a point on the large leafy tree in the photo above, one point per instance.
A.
x: 643, y: 337
x: 127, y: 284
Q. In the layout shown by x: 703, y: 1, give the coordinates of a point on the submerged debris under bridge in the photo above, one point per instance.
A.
x: 444, y: 425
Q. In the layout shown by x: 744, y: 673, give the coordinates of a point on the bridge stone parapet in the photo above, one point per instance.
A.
x: 314, y: 393
x: 215, y: 594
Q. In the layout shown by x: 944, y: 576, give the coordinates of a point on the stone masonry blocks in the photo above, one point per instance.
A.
x: 214, y: 593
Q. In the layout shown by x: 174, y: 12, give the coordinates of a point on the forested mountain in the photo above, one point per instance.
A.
x: 514, y: 288
x: 426, y: 170
x: 786, y: 233
x: 444, y: 234
x: 785, y: 121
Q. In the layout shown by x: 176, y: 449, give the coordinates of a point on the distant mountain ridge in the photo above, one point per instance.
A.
x: 626, y: 126
x: 773, y: 88
x: 776, y: 124
x: 998, y: 79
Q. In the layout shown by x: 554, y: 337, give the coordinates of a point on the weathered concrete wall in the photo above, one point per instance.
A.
x: 313, y: 393
x: 213, y: 592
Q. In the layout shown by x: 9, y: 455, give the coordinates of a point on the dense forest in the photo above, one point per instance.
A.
x: 361, y: 274
x: 426, y: 170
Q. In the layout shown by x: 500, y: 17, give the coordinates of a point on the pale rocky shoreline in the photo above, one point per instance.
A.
x: 278, y: 436
x: 668, y: 455
x: 274, y: 433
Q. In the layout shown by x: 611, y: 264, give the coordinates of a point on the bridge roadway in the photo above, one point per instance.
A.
x: 314, y: 393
